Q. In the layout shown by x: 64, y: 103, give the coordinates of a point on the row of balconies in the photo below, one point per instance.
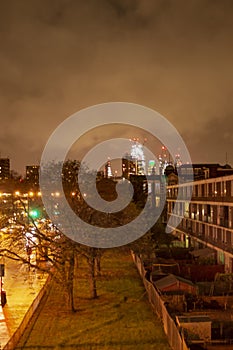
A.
x: 210, y: 220
x: 218, y: 221
x: 213, y: 198
x: 213, y: 214
x: 204, y: 190
x: 215, y: 240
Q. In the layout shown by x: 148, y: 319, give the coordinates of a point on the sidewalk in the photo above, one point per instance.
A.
x: 4, y: 333
x: 21, y: 286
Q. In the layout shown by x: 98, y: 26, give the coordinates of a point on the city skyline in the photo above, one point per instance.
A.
x: 173, y: 57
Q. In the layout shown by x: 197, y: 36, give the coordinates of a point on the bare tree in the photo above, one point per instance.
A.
x: 55, y: 253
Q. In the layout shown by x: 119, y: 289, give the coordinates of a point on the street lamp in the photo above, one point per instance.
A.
x: 29, y: 195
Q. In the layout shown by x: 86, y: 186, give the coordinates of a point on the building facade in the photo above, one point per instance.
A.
x: 207, y: 220
x: 32, y: 175
x: 128, y: 167
x: 4, y: 168
x: 203, y: 171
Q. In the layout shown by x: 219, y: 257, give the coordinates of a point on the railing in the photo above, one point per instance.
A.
x: 175, y: 339
x: 225, y: 246
x: 208, y: 198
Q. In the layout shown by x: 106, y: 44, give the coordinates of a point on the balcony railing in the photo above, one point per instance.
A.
x: 226, y: 246
x: 213, y: 198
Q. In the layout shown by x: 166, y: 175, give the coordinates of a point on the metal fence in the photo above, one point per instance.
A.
x: 175, y: 339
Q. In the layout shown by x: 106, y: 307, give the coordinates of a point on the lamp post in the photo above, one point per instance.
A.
x: 29, y: 196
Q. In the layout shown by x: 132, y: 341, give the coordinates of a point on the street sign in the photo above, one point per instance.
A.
x: 2, y: 270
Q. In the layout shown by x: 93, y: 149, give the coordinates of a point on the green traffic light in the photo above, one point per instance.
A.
x: 34, y: 213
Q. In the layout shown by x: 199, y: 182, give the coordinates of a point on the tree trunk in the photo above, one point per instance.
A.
x: 92, y: 277
x: 71, y: 282
x: 97, y: 265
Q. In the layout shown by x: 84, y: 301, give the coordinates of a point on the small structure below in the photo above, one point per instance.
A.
x: 197, y: 327
x: 171, y: 283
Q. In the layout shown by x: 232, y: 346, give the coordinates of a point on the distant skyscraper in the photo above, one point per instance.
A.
x: 163, y: 160
x: 151, y: 167
x: 134, y: 163
x: 128, y: 166
x: 4, y: 168
x: 178, y: 161
x: 108, y: 169
x: 137, y: 155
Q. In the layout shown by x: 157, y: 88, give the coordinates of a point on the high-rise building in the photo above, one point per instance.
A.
x: 134, y: 163
x: 4, y: 168
x: 138, y: 157
x: 108, y: 169
x: 32, y: 175
x: 164, y: 160
x: 128, y: 166
x: 151, y: 167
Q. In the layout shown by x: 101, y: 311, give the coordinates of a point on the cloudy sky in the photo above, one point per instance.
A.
x: 174, y: 56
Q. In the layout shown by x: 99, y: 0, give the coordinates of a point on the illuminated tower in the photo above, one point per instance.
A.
x: 178, y: 161
x: 108, y: 169
x: 151, y: 167
x: 163, y: 160
x: 138, y: 157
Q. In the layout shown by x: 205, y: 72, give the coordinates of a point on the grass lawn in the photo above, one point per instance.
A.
x: 120, y: 318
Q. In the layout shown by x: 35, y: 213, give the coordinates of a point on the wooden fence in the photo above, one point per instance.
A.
x: 175, y: 339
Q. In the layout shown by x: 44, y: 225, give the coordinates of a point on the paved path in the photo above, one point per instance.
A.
x: 4, y: 332
x: 21, y: 287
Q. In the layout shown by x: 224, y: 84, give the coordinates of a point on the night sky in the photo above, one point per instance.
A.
x: 174, y: 56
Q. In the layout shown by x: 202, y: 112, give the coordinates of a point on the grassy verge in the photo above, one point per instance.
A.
x: 121, y: 317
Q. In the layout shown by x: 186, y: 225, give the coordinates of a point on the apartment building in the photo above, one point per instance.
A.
x: 32, y: 175
x: 207, y: 220
x: 4, y: 168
